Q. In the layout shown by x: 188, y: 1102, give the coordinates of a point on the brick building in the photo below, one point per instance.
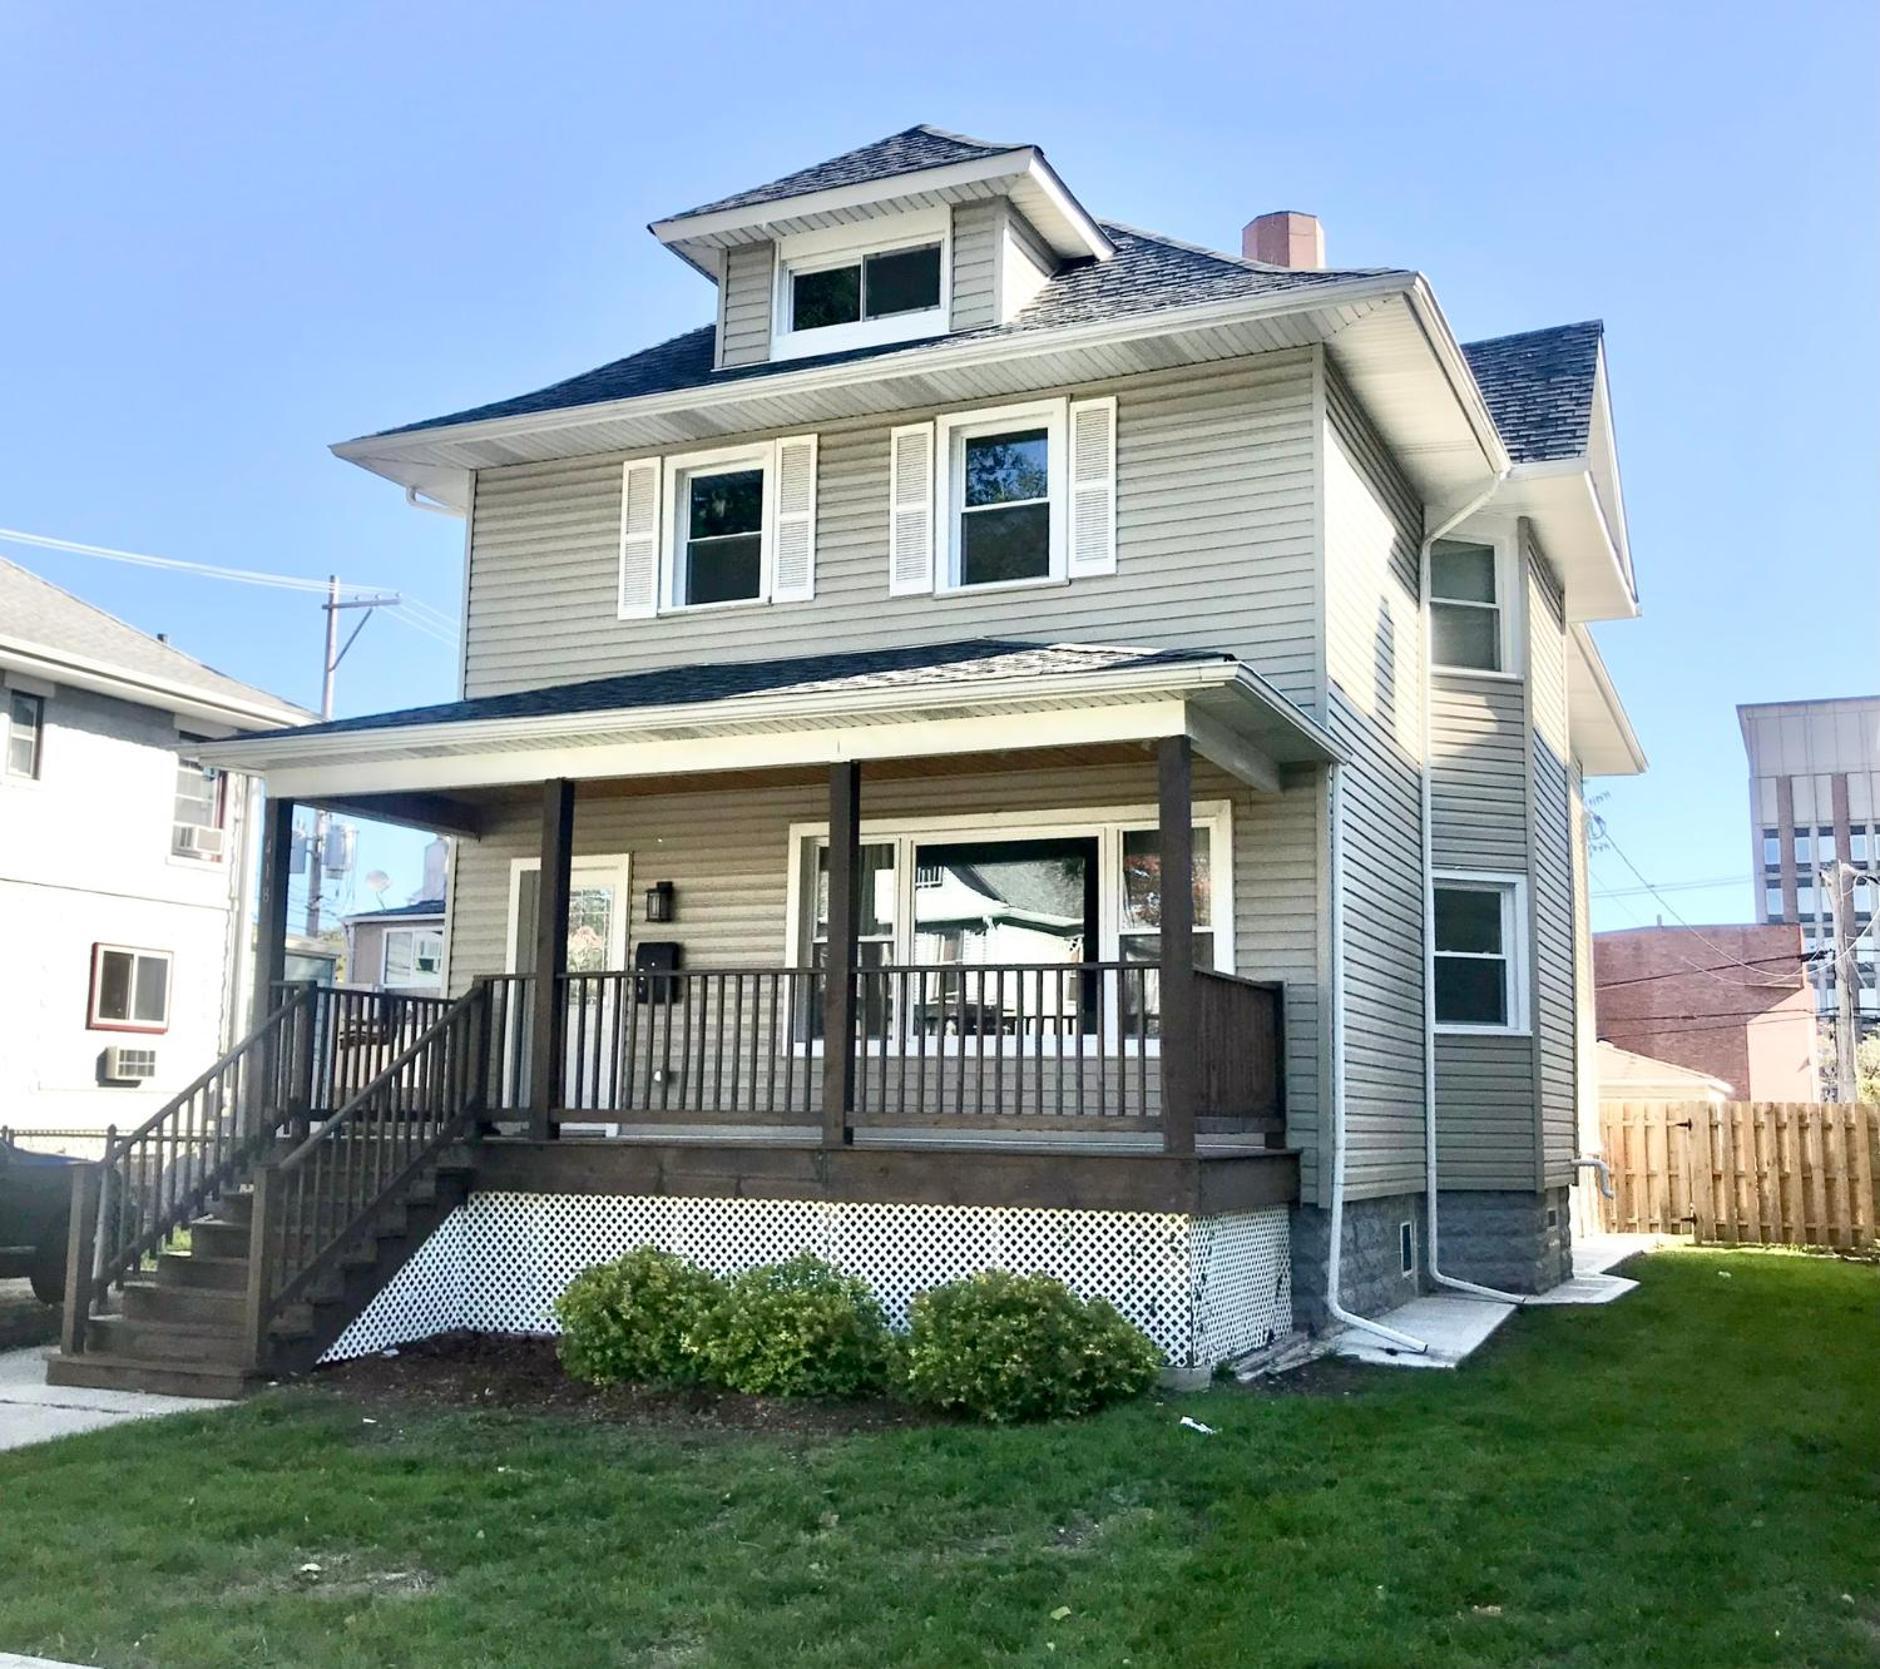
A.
x: 1731, y: 1001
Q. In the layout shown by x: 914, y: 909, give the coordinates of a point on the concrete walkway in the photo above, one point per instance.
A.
x: 31, y: 1411
x: 1455, y: 1325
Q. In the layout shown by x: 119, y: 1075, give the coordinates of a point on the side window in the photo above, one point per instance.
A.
x: 26, y: 725
x: 1477, y: 950
x: 1465, y: 611
x: 130, y: 989
x: 197, y: 826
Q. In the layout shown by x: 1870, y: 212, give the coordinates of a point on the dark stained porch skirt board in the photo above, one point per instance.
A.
x: 987, y: 1174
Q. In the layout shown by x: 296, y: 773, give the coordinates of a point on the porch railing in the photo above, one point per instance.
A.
x: 942, y: 1044
x: 314, y: 1203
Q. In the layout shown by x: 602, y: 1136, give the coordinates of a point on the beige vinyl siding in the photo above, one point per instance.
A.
x: 1555, y: 1039
x: 977, y: 231
x: 1484, y: 1111
x: 1478, y: 772
x: 1215, y: 539
x: 1374, y: 664
x: 726, y: 851
x: 745, y: 295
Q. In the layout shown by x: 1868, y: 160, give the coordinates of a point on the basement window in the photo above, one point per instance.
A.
x: 1407, y: 1247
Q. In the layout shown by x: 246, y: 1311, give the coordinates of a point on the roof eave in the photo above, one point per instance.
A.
x: 1617, y: 747
x: 1072, y: 231
x: 60, y: 666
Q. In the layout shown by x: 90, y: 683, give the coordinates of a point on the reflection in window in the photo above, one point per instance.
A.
x: 1465, y: 615
x: 1473, y: 967
x: 1005, y: 508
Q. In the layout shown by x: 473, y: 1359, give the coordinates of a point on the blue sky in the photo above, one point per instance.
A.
x: 238, y: 233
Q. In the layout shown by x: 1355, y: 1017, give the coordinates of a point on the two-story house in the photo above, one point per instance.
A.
x: 126, y: 865
x: 849, y: 673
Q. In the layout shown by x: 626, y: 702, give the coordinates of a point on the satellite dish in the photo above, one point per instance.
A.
x: 378, y: 881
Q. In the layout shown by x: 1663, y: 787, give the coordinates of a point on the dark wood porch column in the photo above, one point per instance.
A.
x: 549, y: 1025
x: 845, y: 915
x: 1180, y: 1075
x: 277, y: 857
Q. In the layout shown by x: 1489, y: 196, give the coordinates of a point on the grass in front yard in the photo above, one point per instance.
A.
x: 1690, y: 1477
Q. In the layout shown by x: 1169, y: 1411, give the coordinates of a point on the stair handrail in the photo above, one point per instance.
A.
x: 297, y: 1227
x: 190, y: 1151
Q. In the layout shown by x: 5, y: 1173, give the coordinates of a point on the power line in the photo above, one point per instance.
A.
x: 437, y: 624
x: 1670, y: 886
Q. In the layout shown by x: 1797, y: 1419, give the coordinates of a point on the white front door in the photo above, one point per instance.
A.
x: 599, y: 906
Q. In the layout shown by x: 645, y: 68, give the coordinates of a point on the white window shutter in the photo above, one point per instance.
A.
x: 793, y: 539
x: 910, y: 510
x: 639, y: 539
x: 1093, y: 486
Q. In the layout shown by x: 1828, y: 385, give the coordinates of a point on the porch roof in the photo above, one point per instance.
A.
x: 933, y: 699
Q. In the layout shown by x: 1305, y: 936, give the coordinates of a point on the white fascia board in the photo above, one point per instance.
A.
x: 926, y: 737
x: 1617, y: 746
x: 408, y: 449
x: 892, y: 723
x: 1448, y: 353
x: 1560, y: 495
x: 57, y: 666
x: 695, y: 235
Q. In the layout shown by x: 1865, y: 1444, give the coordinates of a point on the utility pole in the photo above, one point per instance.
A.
x: 329, y: 667
x: 1840, y: 877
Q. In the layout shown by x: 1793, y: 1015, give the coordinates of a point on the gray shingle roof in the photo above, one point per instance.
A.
x: 396, y: 912
x: 1539, y: 388
x: 932, y: 665
x: 906, y: 152
x: 1147, y: 274
x: 38, y: 612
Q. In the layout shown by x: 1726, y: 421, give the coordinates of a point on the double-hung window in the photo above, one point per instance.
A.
x: 26, y: 725
x: 196, y: 829
x: 1479, y: 984
x: 728, y: 528
x: 1466, y: 630
x: 130, y: 989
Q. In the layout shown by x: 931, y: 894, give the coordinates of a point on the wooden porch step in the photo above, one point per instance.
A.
x: 194, y: 1269
x: 148, y: 1300
x: 99, y: 1371
x: 164, y: 1342
x: 217, y: 1237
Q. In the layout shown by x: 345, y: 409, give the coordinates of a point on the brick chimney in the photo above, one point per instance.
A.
x: 1284, y: 238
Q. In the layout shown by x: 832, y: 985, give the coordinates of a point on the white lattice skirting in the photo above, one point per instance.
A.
x: 1203, y: 1288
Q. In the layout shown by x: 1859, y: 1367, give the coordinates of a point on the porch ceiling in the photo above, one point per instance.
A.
x: 957, y: 701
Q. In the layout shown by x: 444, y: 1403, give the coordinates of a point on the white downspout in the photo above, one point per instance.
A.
x: 1403, y: 1341
x: 1431, y: 1262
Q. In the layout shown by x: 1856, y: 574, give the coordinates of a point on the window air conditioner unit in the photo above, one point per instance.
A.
x: 129, y: 1063
x: 195, y: 841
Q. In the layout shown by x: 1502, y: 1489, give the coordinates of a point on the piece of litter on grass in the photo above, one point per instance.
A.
x: 1060, y: 1614
x: 309, y: 1569
x: 388, y: 1352
x: 1723, y: 1274
x: 368, y: 1422
x: 1486, y: 1610
x: 1196, y: 1425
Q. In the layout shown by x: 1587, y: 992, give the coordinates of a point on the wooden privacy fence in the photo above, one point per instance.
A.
x: 1745, y: 1172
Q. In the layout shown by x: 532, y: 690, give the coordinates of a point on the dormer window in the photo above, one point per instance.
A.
x: 876, y: 287
x: 866, y: 284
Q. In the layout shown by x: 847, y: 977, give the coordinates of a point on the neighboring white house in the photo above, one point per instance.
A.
x: 123, y: 863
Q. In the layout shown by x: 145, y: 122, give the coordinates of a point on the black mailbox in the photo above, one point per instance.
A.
x: 654, y: 962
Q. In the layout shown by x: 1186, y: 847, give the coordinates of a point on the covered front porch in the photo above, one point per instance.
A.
x: 914, y: 908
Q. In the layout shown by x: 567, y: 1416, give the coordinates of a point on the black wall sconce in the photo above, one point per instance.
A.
x: 659, y: 901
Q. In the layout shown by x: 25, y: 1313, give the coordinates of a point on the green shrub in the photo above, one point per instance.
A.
x: 795, y: 1329
x: 629, y: 1319
x: 1021, y: 1347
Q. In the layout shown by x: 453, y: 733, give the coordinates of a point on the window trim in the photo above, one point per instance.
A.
x: 385, y: 956
x: 1515, y: 949
x: 99, y: 950
x: 851, y: 245
x: 219, y: 821
x: 7, y: 772
x: 1509, y: 605
x: 719, y: 460
x: 951, y: 433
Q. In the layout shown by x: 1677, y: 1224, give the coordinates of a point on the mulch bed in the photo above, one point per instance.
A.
x: 520, y: 1374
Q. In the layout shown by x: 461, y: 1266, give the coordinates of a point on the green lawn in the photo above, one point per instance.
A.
x: 1690, y: 1477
